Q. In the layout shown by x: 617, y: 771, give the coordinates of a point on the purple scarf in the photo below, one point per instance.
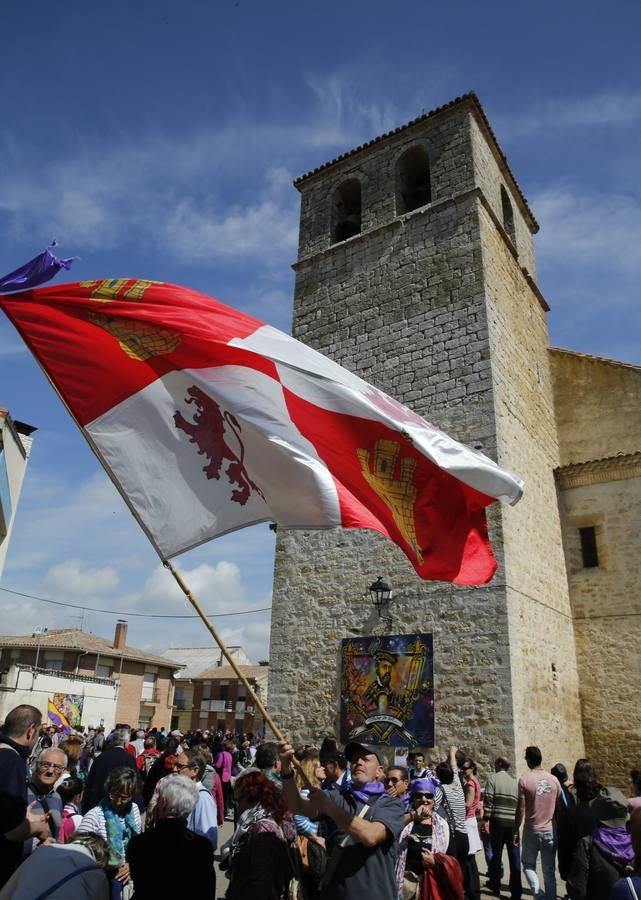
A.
x: 368, y: 792
x: 616, y: 841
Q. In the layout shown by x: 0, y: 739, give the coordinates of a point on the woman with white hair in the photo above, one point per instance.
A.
x: 153, y: 855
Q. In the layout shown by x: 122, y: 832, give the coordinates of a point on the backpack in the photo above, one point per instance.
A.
x: 148, y: 759
x: 67, y: 827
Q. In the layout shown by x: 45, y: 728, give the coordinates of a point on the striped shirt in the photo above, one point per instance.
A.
x: 94, y: 821
x: 452, y: 795
x: 501, y: 799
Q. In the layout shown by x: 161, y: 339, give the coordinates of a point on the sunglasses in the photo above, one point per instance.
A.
x: 392, y: 779
x: 422, y: 795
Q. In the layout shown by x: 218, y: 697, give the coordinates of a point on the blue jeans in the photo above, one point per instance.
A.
x: 504, y: 837
x: 543, y: 842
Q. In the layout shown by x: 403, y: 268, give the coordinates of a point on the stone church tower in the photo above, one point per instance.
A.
x: 416, y: 270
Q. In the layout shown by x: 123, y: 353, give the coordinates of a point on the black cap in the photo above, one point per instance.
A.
x: 362, y: 749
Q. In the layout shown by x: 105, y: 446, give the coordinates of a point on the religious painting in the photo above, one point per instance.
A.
x: 68, y: 708
x: 387, y: 690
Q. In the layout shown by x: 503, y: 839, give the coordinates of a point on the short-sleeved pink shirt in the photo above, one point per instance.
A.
x: 540, y: 790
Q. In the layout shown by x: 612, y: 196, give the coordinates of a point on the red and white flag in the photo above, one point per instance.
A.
x: 208, y: 420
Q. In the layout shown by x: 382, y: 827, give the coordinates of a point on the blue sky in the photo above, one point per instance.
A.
x: 159, y: 140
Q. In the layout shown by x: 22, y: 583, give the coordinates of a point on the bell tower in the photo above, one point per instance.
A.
x: 416, y: 270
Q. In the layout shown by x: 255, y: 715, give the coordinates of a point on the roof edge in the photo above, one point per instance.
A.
x: 470, y: 98
x: 619, y: 467
x: 605, y: 360
x: 135, y: 654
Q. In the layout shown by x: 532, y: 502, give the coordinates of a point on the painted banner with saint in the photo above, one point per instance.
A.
x: 387, y: 690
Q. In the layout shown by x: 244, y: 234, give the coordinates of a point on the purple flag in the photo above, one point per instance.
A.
x: 41, y: 268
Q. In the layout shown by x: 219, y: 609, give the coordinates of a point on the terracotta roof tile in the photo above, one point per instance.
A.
x: 605, y: 360
x: 471, y: 98
x: 597, y: 471
x: 75, y: 639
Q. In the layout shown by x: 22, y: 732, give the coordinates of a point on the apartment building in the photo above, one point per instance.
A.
x: 144, y: 681
x: 210, y: 695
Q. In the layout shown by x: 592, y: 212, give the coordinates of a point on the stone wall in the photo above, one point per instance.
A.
x: 541, y: 634
x: 490, y: 176
x: 598, y: 410
x: 433, y: 307
x: 598, y: 406
x: 402, y: 304
x: 607, y: 604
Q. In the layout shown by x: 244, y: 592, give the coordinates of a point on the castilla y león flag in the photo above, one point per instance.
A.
x: 208, y: 420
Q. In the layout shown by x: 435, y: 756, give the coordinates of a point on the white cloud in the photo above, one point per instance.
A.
x: 218, y: 587
x: 89, y: 516
x: 589, y: 261
x: 215, y: 586
x: 213, y: 195
x: 591, y: 228
x: 266, y: 230
x: 602, y: 109
x: 76, y: 579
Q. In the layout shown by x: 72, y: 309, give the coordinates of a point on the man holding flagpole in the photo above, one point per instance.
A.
x: 363, y: 826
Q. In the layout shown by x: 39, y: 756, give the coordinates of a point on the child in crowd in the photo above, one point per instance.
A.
x: 70, y: 791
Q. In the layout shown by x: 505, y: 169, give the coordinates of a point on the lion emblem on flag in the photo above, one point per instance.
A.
x: 208, y: 432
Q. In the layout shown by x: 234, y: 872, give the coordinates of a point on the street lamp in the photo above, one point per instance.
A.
x: 381, y: 595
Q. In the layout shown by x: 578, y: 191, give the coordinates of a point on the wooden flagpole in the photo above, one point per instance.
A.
x: 223, y: 647
x: 232, y: 662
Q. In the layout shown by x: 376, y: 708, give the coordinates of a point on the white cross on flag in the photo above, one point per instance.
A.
x: 208, y: 420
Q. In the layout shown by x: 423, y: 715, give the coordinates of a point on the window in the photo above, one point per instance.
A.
x: 589, y: 552
x: 148, y: 686
x: 54, y: 661
x: 508, y: 215
x: 413, y: 180
x: 347, y: 210
x: 179, y: 697
x: 206, y: 690
x: 144, y: 717
x: 103, y: 671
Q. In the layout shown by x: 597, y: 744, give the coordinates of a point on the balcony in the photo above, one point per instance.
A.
x: 150, y: 698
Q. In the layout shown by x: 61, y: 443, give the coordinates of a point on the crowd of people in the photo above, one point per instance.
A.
x: 132, y: 813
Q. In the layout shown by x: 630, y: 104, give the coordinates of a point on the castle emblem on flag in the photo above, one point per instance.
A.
x: 138, y: 340
x: 391, y: 478
x: 207, y: 432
